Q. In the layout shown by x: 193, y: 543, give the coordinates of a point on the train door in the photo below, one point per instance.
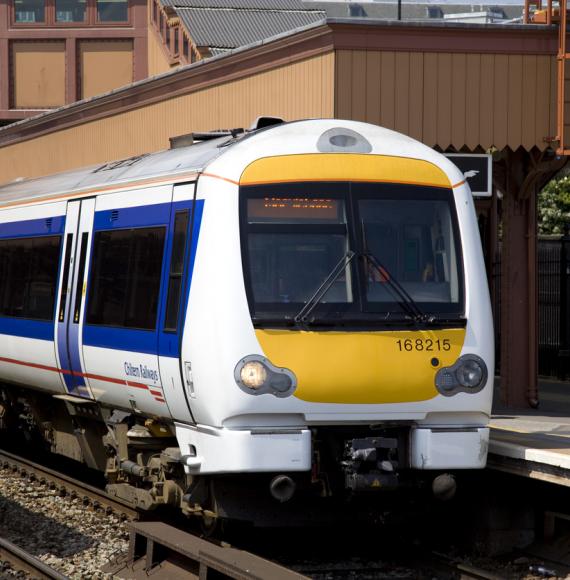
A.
x: 125, y: 290
x: 78, y: 226
x: 184, y: 227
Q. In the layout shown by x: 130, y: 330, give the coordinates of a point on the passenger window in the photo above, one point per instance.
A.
x: 125, y: 278
x: 28, y: 277
x: 176, y: 269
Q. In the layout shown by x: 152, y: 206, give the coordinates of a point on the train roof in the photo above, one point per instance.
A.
x: 186, y: 163
x: 168, y: 163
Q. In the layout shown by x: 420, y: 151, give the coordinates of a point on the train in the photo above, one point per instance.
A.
x: 252, y: 320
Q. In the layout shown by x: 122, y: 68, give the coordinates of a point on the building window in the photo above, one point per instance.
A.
x: 125, y: 278
x: 185, y: 48
x: 112, y: 10
x: 70, y: 10
x: 28, y: 277
x: 30, y: 11
x: 176, y: 32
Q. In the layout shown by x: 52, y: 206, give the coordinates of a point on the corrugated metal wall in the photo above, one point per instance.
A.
x: 447, y: 99
x: 299, y: 90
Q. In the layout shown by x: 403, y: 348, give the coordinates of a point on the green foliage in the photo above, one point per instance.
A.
x: 554, y: 206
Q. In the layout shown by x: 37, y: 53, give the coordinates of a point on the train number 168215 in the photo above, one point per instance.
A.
x: 427, y: 344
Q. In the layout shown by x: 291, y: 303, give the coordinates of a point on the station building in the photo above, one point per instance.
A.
x: 55, y: 52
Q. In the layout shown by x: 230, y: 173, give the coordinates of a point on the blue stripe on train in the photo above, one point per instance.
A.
x: 146, y: 341
x: 120, y: 338
x: 28, y: 228
x: 40, y: 329
x: 13, y: 326
x: 143, y: 341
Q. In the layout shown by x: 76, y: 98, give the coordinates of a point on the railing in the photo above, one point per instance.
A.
x: 535, y: 13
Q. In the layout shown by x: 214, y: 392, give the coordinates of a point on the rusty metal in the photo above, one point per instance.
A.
x: 89, y: 493
x: 22, y: 560
x: 159, y: 550
x: 549, y: 13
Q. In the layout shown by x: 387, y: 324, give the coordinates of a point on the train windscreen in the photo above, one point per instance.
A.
x: 341, y: 253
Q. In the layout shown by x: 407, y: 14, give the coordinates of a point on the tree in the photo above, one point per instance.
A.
x: 554, y: 206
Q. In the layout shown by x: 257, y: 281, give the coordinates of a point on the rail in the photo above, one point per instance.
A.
x: 66, y: 484
x: 22, y: 560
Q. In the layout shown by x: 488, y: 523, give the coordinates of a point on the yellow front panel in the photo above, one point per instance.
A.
x: 344, y: 167
x: 363, y: 367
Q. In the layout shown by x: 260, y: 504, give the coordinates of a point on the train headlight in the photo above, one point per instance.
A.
x: 253, y: 374
x: 256, y: 375
x: 470, y: 373
x: 467, y: 375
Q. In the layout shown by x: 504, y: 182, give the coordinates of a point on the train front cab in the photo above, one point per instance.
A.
x: 365, y: 282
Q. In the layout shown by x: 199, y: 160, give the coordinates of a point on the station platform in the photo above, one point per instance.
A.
x: 534, y: 443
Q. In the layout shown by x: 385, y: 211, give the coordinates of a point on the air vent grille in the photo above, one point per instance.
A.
x: 49, y: 221
x: 122, y: 163
x: 114, y: 215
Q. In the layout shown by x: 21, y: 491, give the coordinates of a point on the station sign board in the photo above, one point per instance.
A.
x: 478, y: 171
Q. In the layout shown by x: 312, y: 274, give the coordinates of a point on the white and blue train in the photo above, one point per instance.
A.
x: 290, y: 312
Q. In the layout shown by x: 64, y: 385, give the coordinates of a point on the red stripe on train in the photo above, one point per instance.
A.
x: 76, y: 374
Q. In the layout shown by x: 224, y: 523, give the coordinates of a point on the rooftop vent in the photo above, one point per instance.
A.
x: 262, y: 122
x: 434, y: 12
x: 122, y: 163
x: 181, y: 141
x: 356, y: 10
x: 191, y: 138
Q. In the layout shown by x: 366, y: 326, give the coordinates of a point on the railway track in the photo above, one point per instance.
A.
x: 90, y: 495
x: 156, y: 546
x: 164, y: 551
x: 458, y: 569
x: 22, y: 560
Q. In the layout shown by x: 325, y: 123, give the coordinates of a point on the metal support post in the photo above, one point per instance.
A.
x: 564, y: 350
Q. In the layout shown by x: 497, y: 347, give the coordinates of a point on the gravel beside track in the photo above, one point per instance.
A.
x: 60, y: 530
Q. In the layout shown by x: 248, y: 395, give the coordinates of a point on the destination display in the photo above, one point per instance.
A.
x: 293, y: 208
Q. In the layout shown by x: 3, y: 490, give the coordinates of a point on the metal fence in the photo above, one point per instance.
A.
x: 554, y: 306
x: 553, y: 254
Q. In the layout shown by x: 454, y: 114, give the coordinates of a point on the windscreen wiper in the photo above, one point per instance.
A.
x: 312, y: 302
x: 404, y: 299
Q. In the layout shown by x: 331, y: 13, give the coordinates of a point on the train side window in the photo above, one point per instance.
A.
x: 125, y: 278
x: 80, y: 277
x: 65, y: 279
x: 28, y: 277
x: 176, y: 268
